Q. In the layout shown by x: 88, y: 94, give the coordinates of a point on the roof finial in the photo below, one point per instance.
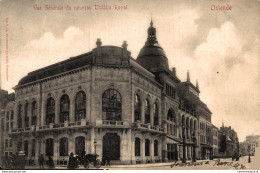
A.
x: 197, y: 84
x: 188, y: 76
x: 151, y: 23
x: 222, y: 123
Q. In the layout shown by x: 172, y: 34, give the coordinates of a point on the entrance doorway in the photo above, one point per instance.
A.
x: 111, y: 146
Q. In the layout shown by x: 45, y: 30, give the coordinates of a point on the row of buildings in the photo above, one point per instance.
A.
x: 248, y: 147
x: 108, y: 103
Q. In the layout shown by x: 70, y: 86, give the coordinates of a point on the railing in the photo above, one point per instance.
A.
x: 78, y: 123
x: 20, y: 130
x: 144, y: 125
x: 161, y: 129
x: 27, y: 129
x: 153, y: 127
x: 71, y: 124
x: 108, y: 122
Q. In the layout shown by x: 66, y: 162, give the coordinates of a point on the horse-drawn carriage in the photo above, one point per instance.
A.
x: 15, y: 161
x: 89, y: 159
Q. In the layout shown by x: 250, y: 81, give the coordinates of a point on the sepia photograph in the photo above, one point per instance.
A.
x: 130, y: 85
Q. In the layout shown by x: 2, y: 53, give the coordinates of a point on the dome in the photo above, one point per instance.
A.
x: 152, y: 56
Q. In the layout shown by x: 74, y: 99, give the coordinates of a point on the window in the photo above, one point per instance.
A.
x: 137, y: 147
x: 50, y: 111
x: 6, y: 143
x: 11, y: 143
x: 7, y: 116
x: 80, y: 144
x: 170, y: 91
x: 26, y: 148
x: 111, y: 105
x: 19, y: 119
x: 155, y: 148
x: 7, y: 126
x: 171, y: 116
x: 64, y: 108
x: 26, y: 116
x: 80, y: 106
x: 137, y: 108
x: 147, y: 147
x: 33, y: 147
x: 156, y: 114
x: 147, y: 111
x: 12, y: 114
x: 34, y: 113
x: 64, y: 146
x: 49, y: 147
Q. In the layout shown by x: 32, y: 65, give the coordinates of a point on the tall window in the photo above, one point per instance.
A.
x: 80, y: 106
x: 155, y: 148
x: 33, y: 147
x: 156, y: 114
x: 19, y: 119
x: 26, y: 117
x: 34, y: 113
x: 64, y: 146
x: 49, y: 147
x: 147, y: 111
x: 64, y: 108
x: 11, y: 143
x: 137, y: 147
x: 147, y: 147
x: 80, y: 144
x: 111, y: 105
x: 50, y: 111
x: 6, y: 143
x: 171, y: 116
x: 137, y: 108
x: 26, y: 148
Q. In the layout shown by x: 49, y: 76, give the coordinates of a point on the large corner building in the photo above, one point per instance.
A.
x: 108, y: 103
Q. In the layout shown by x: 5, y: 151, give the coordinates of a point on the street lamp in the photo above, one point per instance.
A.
x: 249, y: 148
x: 95, y: 145
x: 184, y: 145
x: 194, y: 147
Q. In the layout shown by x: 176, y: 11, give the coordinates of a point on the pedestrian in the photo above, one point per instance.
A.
x: 72, y: 162
x: 108, y: 159
x: 41, y: 161
x: 50, y: 163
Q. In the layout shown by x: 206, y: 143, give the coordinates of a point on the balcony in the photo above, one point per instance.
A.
x: 112, y: 124
x: 148, y: 127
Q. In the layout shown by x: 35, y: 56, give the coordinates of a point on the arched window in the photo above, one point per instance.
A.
x: 147, y: 147
x: 64, y: 146
x: 111, y: 105
x: 137, y: 108
x: 26, y: 148
x: 33, y: 147
x: 64, y: 108
x: 19, y: 119
x: 171, y: 116
x: 147, y: 111
x: 80, y: 144
x: 34, y: 113
x: 50, y: 111
x: 26, y: 116
x: 137, y: 147
x: 12, y: 114
x: 155, y: 148
x: 49, y: 147
x: 80, y: 106
x: 156, y: 115
x: 11, y: 143
x: 6, y: 143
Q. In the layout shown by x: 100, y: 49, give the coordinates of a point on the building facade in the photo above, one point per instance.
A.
x: 249, y: 145
x: 105, y: 102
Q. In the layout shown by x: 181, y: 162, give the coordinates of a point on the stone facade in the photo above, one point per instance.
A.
x: 108, y: 103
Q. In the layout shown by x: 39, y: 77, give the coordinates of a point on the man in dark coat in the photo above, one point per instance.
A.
x: 50, y: 163
x: 41, y: 161
x: 72, y: 162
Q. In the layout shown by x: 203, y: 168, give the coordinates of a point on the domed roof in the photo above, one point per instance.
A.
x: 152, y: 56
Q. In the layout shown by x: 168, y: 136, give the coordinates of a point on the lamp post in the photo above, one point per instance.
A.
x: 194, y: 147
x: 95, y: 145
x: 184, y: 145
x: 249, y: 160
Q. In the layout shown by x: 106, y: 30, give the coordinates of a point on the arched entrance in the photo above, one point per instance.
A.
x: 111, y: 146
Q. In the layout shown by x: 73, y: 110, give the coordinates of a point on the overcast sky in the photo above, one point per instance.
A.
x: 220, y: 48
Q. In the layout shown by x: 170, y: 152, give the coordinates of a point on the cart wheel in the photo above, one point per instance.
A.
x: 86, y: 164
x: 97, y: 163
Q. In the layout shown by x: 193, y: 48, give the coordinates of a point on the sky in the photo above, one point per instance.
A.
x: 220, y: 48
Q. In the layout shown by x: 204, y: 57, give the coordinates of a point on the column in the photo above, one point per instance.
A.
x: 186, y: 152
x: 55, y: 150
x: 133, y: 159
x: 29, y: 148
x: 37, y: 151
x: 71, y: 144
x: 30, y: 113
x: 151, y: 115
x: 72, y: 110
x: 92, y: 139
x: 142, y: 112
x: 143, y: 150
x: 87, y: 144
x: 152, y: 150
x: 57, y: 112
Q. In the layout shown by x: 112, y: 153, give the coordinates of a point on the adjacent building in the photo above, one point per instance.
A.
x: 249, y: 145
x: 106, y: 102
